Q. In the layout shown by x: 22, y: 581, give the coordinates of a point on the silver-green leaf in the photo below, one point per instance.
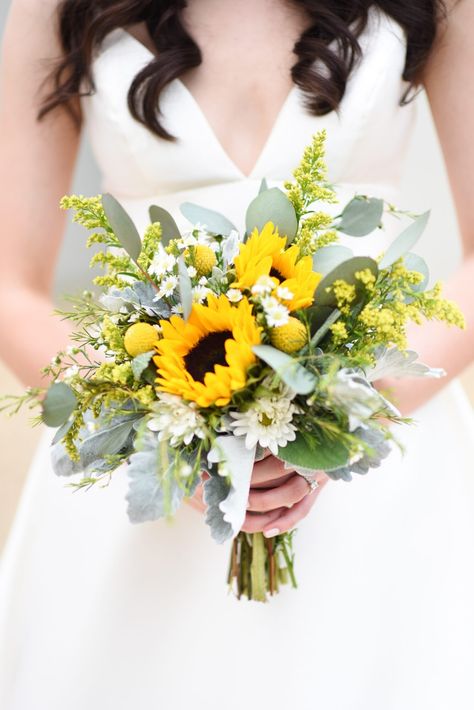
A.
x: 405, y: 241
x: 346, y: 271
x: 140, y: 363
x: 327, y: 258
x: 58, y: 404
x: 185, y: 288
x: 169, y: 228
x: 297, y: 377
x: 215, y: 222
x: 272, y: 206
x: 361, y: 216
x: 122, y: 225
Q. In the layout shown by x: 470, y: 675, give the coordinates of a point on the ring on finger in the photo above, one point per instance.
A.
x: 311, y: 481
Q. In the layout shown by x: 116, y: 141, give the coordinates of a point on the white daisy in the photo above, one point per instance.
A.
x: 192, y: 271
x: 176, y: 421
x: 167, y: 287
x: 284, y: 293
x: 200, y: 293
x: 162, y: 262
x: 263, y: 286
x: 276, y: 314
x: 234, y: 295
x: 268, y: 422
x: 177, y: 309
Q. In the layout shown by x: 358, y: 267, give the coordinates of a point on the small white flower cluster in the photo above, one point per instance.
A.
x: 268, y: 422
x: 201, y: 291
x: 163, y: 263
x: 276, y: 313
x: 176, y: 421
x: 198, y: 235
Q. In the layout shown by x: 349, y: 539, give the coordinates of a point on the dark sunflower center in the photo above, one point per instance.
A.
x: 206, y: 354
x: 275, y: 274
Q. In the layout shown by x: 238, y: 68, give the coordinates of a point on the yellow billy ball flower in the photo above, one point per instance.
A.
x: 290, y: 337
x: 204, y: 259
x: 140, y: 338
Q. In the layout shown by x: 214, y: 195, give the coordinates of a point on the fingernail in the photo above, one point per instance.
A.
x: 271, y: 533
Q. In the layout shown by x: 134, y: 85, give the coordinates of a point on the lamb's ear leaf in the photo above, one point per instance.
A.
x: 405, y: 241
x: 215, y: 222
x: 122, y: 225
x: 227, y: 504
x: 185, y: 288
x: 361, y: 216
x: 272, y: 206
x: 169, y: 228
x: 58, y: 404
x: 298, y: 378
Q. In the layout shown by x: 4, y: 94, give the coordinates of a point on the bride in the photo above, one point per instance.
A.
x: 199, y: 101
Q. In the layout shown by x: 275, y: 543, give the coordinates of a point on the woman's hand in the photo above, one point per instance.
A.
x: 278, y: 498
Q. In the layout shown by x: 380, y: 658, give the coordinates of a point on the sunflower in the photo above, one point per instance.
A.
x: 264, y: 254
x: 206, y: 358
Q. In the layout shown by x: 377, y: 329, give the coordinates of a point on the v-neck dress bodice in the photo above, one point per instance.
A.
x: 98, y: 613
x: 138, y: 167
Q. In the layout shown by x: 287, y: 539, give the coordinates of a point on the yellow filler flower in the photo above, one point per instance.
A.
x: 206, y: 358
x: 264, y: 254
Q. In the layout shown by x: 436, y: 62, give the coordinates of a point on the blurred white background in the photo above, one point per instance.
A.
x: 425, y: 186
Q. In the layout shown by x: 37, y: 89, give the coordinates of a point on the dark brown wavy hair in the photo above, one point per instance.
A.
x: 332, y: 38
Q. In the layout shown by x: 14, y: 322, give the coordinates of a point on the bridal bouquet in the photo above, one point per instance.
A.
x: 218, y: 347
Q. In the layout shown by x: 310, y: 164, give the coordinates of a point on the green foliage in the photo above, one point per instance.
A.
x: 310, y: 178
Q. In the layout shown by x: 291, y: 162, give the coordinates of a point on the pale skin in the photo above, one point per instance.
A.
x: 245, y: 43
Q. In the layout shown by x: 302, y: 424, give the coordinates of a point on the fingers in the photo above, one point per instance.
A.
x: 285, y: 495
x: 289, y: 518
x: 256, y: 522
x: 268, y: 470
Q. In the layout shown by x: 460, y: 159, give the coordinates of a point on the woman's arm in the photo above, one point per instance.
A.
x: 449, y: 83
x: 36, y: 167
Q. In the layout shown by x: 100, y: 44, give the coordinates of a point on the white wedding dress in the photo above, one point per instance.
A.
x: 98, y: 613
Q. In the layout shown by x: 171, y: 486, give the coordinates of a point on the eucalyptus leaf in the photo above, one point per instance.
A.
x: 413, y: 262
x: 344, y: 272
x: 307, y: 453
x: 272, y: 206
x: 324, y: 328
x: 327, y: 258
x: 185, y: 288
x: 298, y: 378
x: 361, y: 216
x: 263, y: 186
x: 122, y: 225
x: 215, y: 222
x: 405, y: 241
x: 317, y: 316
x: 58, y: 404
x: 169, y: 228
x: 140, y: 363
x: 106, y: 441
